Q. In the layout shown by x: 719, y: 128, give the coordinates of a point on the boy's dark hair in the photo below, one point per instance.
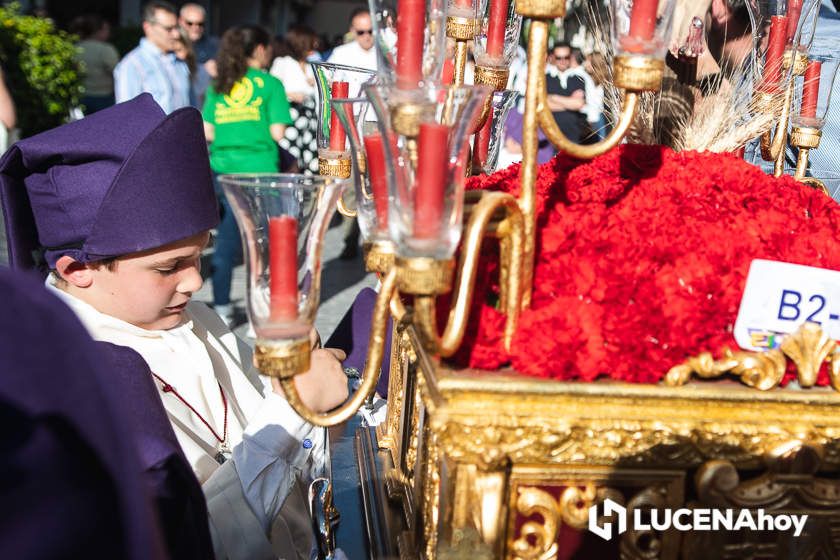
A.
x: 110, y: 264
x: 149, y: 9
x: 357, y: 12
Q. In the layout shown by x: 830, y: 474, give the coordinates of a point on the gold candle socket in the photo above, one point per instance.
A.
x: 461, y: 28
x: 424, y: 275
x: 637, y: 73
x: 806, y: 139
x: 334, y: 167
x: 541, y: 9
x: 282, y: 359
x: 379, y: 256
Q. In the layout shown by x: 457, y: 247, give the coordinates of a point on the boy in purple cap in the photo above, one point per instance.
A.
x: 119, y: 206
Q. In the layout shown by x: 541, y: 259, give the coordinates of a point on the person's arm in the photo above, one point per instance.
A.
x: 573, y: 102
x: 277, y: 131
x: 128, y: 82
x: 7, y: 105
x: 210, y: 132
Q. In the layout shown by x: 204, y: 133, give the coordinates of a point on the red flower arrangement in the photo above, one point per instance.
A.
x: 642, y: 255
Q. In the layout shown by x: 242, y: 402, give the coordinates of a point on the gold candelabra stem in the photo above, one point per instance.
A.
x: 460, y: 62
x: 774, y: 150
x: 376, y: 348
x: 512, y: 231
x: 633, y: 74
x: 806, y: 139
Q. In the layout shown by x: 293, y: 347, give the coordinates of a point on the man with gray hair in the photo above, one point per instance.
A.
x: 193, y: 19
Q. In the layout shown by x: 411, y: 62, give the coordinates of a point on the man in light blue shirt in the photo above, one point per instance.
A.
x: 152, y: 66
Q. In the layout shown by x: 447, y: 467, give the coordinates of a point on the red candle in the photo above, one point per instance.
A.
x: 496, y: 24
x: 431, y: 179
x: 793, y: 12
x: 465, y: 4
x: 411, y: 26
x: 282, y: 259
x: 482, y: 142
x: 447, y: 75
x: 811, y: 89
x: 375, y: 154
x: 775, y: 52
x: 643, y: 19
x: 338, y: 90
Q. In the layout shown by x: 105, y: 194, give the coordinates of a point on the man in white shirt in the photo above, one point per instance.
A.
x: 359, y: 52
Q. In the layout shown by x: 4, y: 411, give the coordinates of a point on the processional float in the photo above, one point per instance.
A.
x: 491, y: 464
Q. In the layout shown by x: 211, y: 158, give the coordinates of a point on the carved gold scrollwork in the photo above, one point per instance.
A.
x: 807, y: 348
x: 533, y: 501
x: 575, y: 504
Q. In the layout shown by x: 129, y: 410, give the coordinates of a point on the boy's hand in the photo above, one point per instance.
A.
x: 324, y: 386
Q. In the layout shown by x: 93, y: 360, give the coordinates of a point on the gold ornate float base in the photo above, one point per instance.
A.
x: 492, y: 465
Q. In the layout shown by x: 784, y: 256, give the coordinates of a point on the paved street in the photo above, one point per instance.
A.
x: 340, y: 282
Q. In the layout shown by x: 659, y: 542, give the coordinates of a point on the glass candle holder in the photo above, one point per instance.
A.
x: 335, y: 81
x: 490, y: 138
x: 813, y: 91
x: 773, y: 58
x: 801, y: 23
x: 641, y: 27
x: 410, y: 38
x: 282, y: 220
x: 429, y: 158
x: 370, y: 175
x: 495, y: 45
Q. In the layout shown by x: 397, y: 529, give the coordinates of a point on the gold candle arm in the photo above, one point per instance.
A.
x: 373, y: 363
x: 343, y: 210
x: 773, y: 144
x: 537, y: 48
x: 559, y: 140
x: 456, y: 324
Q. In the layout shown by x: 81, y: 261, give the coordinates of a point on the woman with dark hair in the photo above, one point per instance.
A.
x: 245, y: 114
x: 292, y: 68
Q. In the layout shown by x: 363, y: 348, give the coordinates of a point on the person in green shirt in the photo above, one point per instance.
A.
x: 245, y: 114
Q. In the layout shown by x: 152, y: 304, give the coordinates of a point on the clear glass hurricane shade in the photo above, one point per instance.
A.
x: 503, y: 102
x: 641, y: 27
x: 513, y: 27
x: 385, y: 24
x: 369, y: 174
x: 282, y: 220
x: 822, y: 87
x: 327, y: 74
x: 429, y: 160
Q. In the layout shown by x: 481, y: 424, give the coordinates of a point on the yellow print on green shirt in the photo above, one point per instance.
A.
x: 240, y: 104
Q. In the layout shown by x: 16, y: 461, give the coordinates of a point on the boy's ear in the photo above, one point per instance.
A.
x: 72, y: 271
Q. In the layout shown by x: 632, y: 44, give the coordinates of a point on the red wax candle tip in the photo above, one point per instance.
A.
x: 794, y: 11
x: 643, y: 19
x: 811, y: 89
x: 282, y: 255
x: 482, y: 142
x: 775, y: 51
x: 497, y: 22
x: 338, y: 90
x: 375, y: 154
x: 432, y: 142
x: 411, y: 27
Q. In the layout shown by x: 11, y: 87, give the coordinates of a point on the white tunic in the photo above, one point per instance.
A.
x: 269, y: 440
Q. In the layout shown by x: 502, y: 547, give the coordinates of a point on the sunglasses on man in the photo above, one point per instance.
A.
x: 193, y: 23
x: 361, y: 32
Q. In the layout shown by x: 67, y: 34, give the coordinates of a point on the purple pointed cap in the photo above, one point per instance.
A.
x: 125, y: 179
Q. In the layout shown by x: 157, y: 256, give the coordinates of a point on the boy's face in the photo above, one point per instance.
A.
x: 149, y: 289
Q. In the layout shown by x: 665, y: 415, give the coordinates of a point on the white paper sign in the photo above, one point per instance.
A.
x: 779, y: 297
